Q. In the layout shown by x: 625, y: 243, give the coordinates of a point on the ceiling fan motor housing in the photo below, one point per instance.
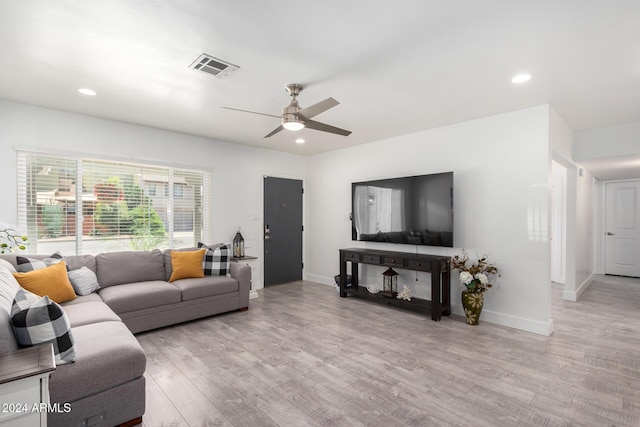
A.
x: 290, y: 119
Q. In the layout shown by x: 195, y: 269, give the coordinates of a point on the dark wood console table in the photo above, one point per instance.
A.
x: 437, y: 265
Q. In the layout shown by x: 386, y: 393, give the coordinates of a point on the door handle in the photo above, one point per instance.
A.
x: 610, y: 233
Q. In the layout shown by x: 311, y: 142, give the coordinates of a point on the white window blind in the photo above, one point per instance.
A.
x: 88, y: 206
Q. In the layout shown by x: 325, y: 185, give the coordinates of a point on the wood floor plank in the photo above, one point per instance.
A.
x: 193, y: 406
x: 303, y: 356
x: 164, y: 412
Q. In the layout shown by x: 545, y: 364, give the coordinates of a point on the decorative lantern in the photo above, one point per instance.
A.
x: 238, y: 245
x: 389, y: 283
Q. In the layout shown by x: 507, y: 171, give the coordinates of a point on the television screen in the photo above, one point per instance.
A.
x: 414, y: 210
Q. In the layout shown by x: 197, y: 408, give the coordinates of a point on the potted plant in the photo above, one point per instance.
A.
x: 11, y: 240
x: 475, y: 277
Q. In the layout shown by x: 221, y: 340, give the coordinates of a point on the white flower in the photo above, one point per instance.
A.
x: 482, y: 278
x: 466, y: 278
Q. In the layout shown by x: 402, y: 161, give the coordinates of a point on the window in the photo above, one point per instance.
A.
x: 87, y: 206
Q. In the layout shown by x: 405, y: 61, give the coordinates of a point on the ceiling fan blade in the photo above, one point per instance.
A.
x: 252, y: 112
x: 318, y: 108
x: 311, y: 124
x: 273, y: 132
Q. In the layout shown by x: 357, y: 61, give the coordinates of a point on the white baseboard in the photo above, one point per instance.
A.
x: 320, y: 279
x: 574, y: 295
x: 253, y: 294
x: 528, y: 325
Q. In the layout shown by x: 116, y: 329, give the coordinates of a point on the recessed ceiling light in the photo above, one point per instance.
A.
x: 87, y: 91
x: 300, y: 141
x: 521, y: 78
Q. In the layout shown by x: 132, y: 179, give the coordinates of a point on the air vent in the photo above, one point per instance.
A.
x: 215, y: 66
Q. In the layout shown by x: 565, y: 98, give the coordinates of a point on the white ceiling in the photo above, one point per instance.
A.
x: 396, y: 67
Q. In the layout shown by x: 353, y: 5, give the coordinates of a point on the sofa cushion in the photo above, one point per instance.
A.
x: 107, y: 355
x: 38, y: 320
x: 26, y: 264
x: 88, y: 313
x: 8, y: 288
x: 81, y: 299
x: 216, y: 259
x: 186, y: 264
x: 51, y: 281
x: 76, y: 262
x: 116, y: 268
x: 84, y: 281
x: 136, y: 296
x: 206, y: 287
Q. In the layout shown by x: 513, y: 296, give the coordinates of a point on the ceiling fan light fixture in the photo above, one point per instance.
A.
x: 293, y: 123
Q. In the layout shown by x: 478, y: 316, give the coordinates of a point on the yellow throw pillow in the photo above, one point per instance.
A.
x: 51, y: 281
x: 186, y: 264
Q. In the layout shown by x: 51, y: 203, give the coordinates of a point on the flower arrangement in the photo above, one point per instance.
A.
x: 475, y: 276
x: 11, y: 240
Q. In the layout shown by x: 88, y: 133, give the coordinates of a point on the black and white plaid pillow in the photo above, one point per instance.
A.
x: 216, y: 260
x: 25, y: 264
x: 38, y: 320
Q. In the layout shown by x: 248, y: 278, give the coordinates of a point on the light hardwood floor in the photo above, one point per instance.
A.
x: 302, y: 356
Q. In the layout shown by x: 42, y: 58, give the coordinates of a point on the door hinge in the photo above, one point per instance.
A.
x: 303, y: 265
x: 302, y: 190
x: 303, y: 228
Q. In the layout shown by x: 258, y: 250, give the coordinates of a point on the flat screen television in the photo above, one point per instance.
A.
x: 414, y: 210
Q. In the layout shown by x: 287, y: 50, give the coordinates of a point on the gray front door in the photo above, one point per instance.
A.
x: 282, y: 230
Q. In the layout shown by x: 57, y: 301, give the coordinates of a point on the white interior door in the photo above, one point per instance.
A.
x: 622, y: 222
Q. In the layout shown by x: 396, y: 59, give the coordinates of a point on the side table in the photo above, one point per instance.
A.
x: 24, y: 386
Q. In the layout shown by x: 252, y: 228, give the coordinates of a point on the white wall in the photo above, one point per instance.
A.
x: 586, y: 195
x: 237, y: 170
x: 580, y: 208
x: 501, y: 174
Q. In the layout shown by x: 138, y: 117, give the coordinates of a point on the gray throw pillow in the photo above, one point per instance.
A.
x: 84, y: 281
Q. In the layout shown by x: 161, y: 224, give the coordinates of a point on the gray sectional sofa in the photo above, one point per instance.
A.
x: 105, y: 385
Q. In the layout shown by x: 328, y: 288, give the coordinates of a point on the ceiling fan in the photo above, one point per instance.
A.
x: 295, y: 118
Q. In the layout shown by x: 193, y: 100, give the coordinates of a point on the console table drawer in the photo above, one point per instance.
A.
x: 353, y: 257
x: 371, y: 259
x: 393, y: 261
x: 418, y: 265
